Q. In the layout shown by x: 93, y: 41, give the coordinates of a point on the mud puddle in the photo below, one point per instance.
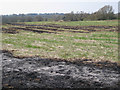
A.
x: 35, y: 72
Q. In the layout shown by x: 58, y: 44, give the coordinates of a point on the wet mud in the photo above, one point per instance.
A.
x: 36, y: 72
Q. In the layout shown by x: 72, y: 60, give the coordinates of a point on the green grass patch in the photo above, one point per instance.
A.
x: 79, y: 23
x: 65, y: 45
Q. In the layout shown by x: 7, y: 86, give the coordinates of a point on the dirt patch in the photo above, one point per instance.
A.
x: 35, y: 72
x: 33, y: 30
x: 9, y: 30
x: 59, y: 28
x: 89, y: 28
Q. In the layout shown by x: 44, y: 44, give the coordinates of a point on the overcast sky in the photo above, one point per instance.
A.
x: 53, y: 6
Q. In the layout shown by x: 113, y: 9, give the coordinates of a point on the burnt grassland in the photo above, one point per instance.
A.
x: 51, y: 55
x: 36, y: 72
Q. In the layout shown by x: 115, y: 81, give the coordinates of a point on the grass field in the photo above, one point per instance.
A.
x: 98, y: 46
x: 80, y: 23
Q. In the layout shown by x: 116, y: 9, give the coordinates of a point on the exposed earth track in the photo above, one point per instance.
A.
x: 35, y: 72
x: 14, y: 28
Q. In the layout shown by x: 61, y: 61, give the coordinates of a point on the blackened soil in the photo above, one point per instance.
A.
x: 9, y: 30
x: 14, y: 30
x: 68, y: 27
x: 34, y: 72
x: 57, y: 28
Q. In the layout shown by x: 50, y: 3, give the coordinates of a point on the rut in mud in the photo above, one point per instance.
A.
x: 34, y: 72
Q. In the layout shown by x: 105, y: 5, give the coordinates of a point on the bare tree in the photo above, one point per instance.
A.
x: 105, y: 12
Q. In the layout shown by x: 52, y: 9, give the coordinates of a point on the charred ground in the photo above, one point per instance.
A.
x: 54, y: 28
x: 30, y: 65
x: 35, y: 72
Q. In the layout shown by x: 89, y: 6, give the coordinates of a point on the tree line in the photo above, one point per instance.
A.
x: 104, y: 13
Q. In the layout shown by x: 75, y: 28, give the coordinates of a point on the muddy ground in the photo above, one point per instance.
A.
x: 34, y: 72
